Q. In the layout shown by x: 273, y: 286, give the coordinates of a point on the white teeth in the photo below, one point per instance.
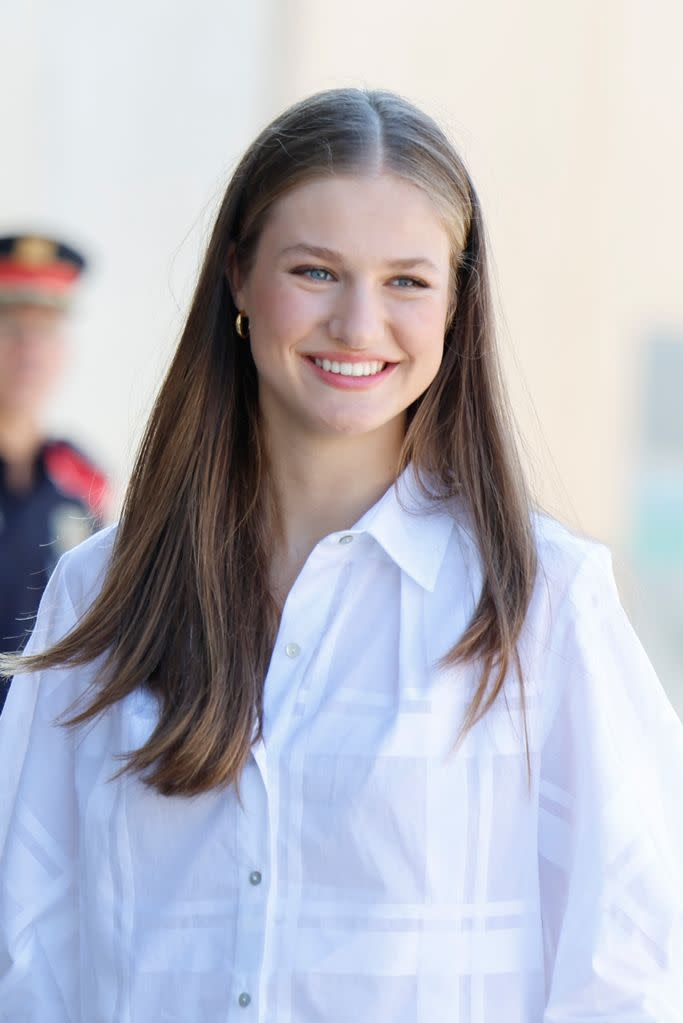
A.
x: 351, y: 369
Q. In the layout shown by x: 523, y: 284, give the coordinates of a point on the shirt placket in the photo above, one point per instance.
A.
x: 253, y: 856
x: 301, y: 631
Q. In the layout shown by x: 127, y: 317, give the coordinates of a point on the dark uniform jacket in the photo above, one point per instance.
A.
x: 64, y: 506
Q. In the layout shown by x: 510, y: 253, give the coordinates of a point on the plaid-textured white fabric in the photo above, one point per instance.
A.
x: 369, y: 874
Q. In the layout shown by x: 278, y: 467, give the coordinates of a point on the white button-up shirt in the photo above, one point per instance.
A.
x: 368, y: 874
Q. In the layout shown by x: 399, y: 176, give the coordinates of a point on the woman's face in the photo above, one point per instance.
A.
x: 347, y: 299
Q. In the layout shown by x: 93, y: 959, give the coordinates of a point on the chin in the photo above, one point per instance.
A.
x: 347, y: 426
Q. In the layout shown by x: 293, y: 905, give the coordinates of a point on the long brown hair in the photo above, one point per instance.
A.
x: 186, y: 607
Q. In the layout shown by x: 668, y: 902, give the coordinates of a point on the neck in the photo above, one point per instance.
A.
x: 19, y: 444
x: 322, y: 486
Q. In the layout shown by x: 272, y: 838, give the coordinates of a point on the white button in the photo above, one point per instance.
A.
x: 244, y: 999
x: 346, y: 539
x: 292, y: 649
x: 255, y: 877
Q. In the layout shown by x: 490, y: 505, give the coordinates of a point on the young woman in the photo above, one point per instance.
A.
x: 355, y: 731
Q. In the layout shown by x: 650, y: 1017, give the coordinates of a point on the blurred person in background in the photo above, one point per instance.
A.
x: 52, y: 496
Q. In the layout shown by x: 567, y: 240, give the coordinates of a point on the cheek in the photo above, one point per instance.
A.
x: 57, y: 356
x: 47, y: 361
x: 424, y: 338
x: 283, y: 315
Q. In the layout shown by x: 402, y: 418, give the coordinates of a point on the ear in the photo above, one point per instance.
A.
x: 234, y: 277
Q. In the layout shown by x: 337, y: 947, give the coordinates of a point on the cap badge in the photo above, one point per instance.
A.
x: 34, y: 251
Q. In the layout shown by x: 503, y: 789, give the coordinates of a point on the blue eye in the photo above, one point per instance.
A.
x: 315, y: 273
x: 410, y: 282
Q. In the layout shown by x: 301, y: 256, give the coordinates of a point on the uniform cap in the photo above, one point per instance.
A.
x: 38, y: 270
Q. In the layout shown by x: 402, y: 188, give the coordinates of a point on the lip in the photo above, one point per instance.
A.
x: 343, y: 383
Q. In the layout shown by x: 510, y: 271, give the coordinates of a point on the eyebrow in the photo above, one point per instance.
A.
x: 320, y: 252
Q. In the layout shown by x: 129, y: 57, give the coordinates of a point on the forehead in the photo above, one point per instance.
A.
x: 373, y: 214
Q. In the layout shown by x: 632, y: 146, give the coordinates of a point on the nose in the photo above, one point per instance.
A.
x: 358, y: 319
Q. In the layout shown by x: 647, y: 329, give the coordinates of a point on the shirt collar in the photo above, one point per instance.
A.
x: 411, y: 529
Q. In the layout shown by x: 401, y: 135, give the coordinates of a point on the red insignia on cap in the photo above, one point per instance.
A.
x: 37, y: 270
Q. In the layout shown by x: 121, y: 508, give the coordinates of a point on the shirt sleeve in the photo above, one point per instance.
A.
x: 610, y: 819
x: 39, y: 952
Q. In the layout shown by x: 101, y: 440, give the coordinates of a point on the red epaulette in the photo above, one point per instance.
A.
x: 74, y: 473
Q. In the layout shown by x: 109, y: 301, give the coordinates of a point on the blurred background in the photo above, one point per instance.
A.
x: 121, y: 124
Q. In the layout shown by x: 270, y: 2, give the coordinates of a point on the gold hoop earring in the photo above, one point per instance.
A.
x: 242, y: 325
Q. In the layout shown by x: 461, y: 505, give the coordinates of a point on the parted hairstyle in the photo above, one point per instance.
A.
x: 186, y: 606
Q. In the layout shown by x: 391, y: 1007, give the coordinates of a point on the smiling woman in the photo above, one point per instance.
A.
x: 355, y: 730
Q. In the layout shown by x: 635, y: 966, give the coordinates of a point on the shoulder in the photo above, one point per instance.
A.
x: 76, y: 475
x: 572, y: 567
x: 82, y: 569
x: 574, y: 575
x: 565, y: 558
x: 580, y: 635
x: 71, y: 589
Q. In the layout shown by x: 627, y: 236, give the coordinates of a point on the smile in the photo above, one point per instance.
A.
x: 351, y: 376
x: 351, y: 369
